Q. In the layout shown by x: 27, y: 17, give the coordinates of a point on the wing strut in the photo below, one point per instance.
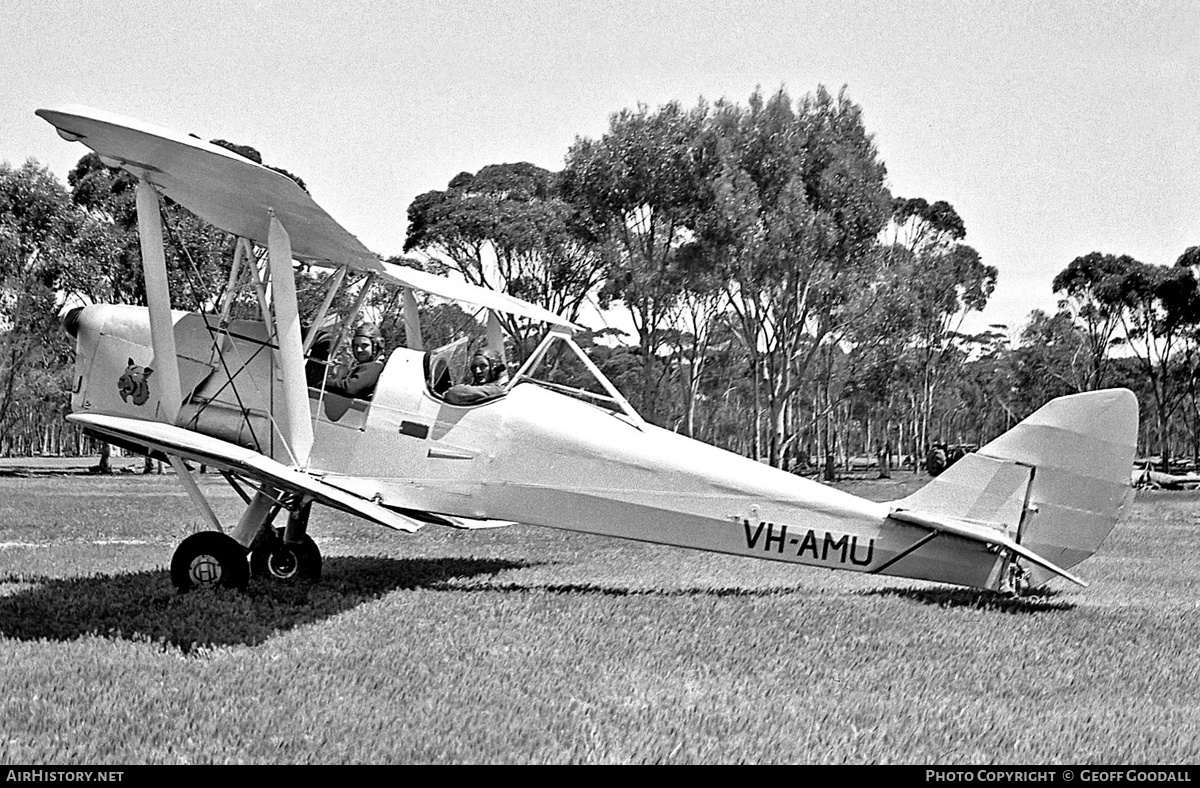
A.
x: 495, y: 334
x: 158, y: 298
x: 296, y: 428
x: 412, y: 321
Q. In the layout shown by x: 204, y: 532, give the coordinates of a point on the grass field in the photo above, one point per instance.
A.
x: 528, y: 645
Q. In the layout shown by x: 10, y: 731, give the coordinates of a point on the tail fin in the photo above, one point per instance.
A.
x: 1057, y: 482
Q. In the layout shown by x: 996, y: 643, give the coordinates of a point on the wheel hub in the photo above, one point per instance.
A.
x: 283, y: 563
x: 205, y: 570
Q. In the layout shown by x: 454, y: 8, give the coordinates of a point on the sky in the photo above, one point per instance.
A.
x: 1055, y: 129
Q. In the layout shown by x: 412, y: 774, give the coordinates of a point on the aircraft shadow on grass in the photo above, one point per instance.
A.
x: 630, y: 590
x: 1039, y: 601
x: 144, y: 606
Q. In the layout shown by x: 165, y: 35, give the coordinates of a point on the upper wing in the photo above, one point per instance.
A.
x: 221, y: 187
x: 230, y: 457
x: 237, y: 195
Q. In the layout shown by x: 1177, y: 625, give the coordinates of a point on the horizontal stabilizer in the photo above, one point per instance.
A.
x: 979, y: 533
x: 977, y: 488
x: 222, y: 455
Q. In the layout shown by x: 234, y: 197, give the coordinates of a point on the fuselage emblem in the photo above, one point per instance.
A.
x: 133, y: 384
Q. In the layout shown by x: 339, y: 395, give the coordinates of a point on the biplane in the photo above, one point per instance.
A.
x: 236, y: 394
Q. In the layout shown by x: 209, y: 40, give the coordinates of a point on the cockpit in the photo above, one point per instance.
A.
x: 453, y: 375
x: 481, y: 376
x: 468, y: 371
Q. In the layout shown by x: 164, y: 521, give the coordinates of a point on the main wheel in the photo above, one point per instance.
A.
x: 209, y: 559
x: 273, y: 558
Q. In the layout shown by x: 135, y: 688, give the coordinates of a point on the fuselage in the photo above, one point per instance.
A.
x: 533, y: 456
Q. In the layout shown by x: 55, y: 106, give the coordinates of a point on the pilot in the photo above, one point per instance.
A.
x: 357, y: 380
x: 486, y: 367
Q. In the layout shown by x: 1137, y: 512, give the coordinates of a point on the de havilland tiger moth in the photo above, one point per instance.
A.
x: 237, y: 395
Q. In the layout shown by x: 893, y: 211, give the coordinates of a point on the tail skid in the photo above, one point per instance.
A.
x: 1048, y: 491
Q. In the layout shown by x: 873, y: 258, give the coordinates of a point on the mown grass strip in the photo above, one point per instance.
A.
x: 526, y: 645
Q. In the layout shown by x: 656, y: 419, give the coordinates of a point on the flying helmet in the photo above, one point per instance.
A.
x: 371, y: 332
x: 495, y: 364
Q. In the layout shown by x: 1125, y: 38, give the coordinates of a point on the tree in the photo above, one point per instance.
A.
x: 1052, y: 359
x: 695, y: 315
x: 800, y: 204
x: 642, y: 186
x: 1161, y: 306
x: 43, y: 241
x: 877, y: 360
x: 945, y: 279
x: 508, y: 228
x: 1092, y: 286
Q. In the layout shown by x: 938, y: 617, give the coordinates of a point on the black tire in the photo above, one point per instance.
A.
x: 209, y: 559
x: 273, y: 559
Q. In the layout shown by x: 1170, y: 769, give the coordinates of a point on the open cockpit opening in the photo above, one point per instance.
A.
x: 458, y: 378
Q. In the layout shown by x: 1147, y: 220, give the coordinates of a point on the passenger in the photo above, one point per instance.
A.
x: 357, y: 380
x: 485, y: 367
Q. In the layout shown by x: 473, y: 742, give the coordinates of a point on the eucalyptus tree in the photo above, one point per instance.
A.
x: 508, y: 228
x: 804, y: 200
x: 1092, y: 286
x: 985, y: 388
x: 879, y: 365
x: 643, y: 186
x: 1052, y: 358
x: 1160, y: 307
x: 945, y: 280
x: 694, y: 318
x: 725, y: 408
x: 1191, y: 259
x: 45, y: 242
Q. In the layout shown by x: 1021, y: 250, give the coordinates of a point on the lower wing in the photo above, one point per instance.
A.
x: 171, y: 440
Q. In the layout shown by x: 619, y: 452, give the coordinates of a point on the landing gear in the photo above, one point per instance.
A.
x: 209, y: 559
x: 287, y: 554
x: 1016, y: 582
x: 213, y: 559
x: 275, y: 559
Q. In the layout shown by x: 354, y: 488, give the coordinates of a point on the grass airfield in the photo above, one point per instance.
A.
x: 527, y: 645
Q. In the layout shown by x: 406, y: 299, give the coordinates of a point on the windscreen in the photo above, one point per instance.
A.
x: 448, y: 365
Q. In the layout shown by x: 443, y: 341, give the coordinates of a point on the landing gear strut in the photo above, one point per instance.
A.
x: 287, y: 554
x: 212, y: 559
x: 1016, y: 581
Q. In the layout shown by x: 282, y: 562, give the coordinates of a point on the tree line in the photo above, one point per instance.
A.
x: 782, y: 302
